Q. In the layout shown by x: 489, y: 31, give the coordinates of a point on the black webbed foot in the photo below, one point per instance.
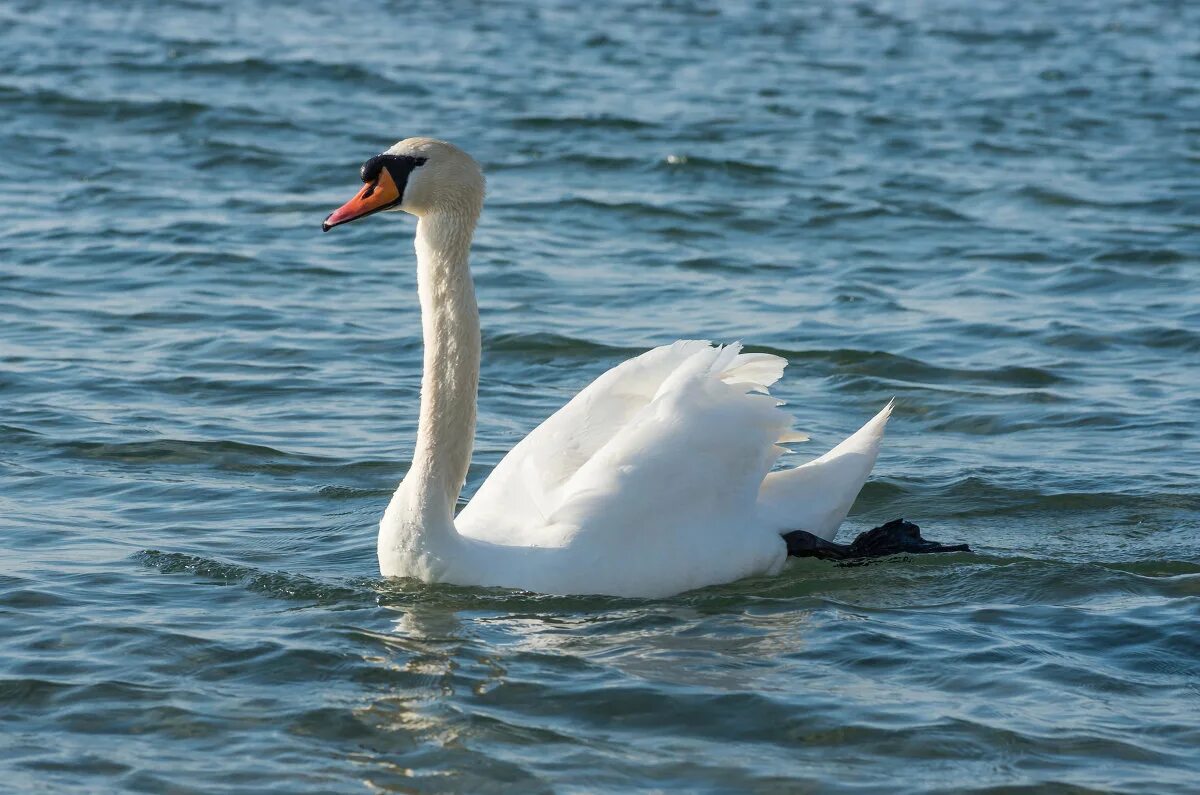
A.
x: 895, y: 537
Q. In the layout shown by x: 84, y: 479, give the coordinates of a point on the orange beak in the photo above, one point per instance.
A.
x: 375, y: 196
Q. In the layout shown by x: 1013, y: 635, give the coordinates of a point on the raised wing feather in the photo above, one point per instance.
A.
x: 524, y: 495
x: 678, y: 483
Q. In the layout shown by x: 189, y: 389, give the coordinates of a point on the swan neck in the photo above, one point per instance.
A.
x: 450, y: 380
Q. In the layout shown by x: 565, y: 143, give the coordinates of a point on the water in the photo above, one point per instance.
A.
x: 986, y: 209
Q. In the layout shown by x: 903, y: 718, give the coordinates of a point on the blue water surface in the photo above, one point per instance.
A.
x: 986, y: 209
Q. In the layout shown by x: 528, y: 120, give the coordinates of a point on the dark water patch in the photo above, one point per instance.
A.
x: 1181, y: 339
x: 278, y: 585
x: 996, y: 147
x: 231, y: 156
x: 1143, y: 256
x: 907, y: 369
x: 569, y: 123
x: 29, y: 599
x: 351, y: 493
x: 254, y: 69
x: 995, y: 499
x: 851, y: 214
x: 1024, y: 37
x: 1058, y: 197
x: 177, y: 451
x: 551, y: 345
x: 22, y: 693
x: 708, y: 264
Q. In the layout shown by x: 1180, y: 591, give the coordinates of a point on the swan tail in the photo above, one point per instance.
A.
x: 817, y: 496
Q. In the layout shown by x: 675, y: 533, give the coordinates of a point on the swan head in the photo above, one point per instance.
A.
x: 420, y: 176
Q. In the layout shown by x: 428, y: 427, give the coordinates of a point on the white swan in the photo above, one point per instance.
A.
x: 653, y: 480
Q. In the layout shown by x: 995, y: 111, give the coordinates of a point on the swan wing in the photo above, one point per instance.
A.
x: 649, y: 408
x: 669, y: 504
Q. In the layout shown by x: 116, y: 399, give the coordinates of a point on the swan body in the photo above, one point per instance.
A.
x: 653, y: 480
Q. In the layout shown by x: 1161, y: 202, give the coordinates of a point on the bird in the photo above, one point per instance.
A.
x: 657, y: 478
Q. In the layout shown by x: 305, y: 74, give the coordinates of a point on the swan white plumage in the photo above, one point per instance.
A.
x: 655, y: 479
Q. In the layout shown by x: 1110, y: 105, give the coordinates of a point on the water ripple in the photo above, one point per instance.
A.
x: 982, y: 209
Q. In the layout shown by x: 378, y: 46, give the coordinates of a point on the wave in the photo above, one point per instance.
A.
x: 367, y: 590
x: 558, y: 345
x: 973, y: 495
x: 158, y: 113
x: 906, y: 369
x: 1059, y: 197
x: 277, y: 584
x: 723, y: 165
x: 181, y: 451
x: 588, y: 206
x: 305, y: 70
x: 579, y: 123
